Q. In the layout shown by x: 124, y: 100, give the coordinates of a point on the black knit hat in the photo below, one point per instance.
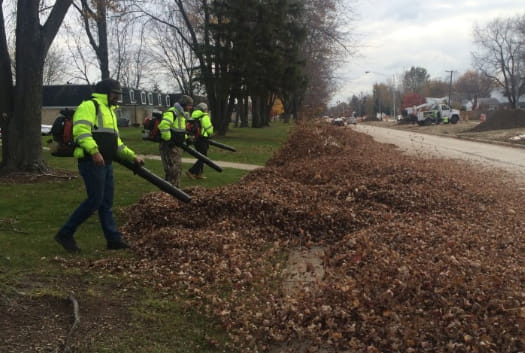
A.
x: 108, y: 85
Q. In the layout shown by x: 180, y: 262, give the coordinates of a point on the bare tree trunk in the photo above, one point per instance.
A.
x: 6, y: 86
x: 24, y: 145
x: 103, y: 51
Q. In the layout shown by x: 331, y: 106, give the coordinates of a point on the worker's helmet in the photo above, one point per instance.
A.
x: 202, y: 106
x: 108, y: 85
x: 185, y: 100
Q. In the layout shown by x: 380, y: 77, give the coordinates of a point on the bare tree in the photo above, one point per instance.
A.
x: 95, y: 25
x: 326, y: 47
x: 500, y: 55
x: 435, y: 88
x: 55, y: 68
x: 132, y: 52
x: 173, y: 56
x: 80, y: 59
x: 21, y: 105
x: 415, y: 79
x: 473, y: 85
x: 192, y: 21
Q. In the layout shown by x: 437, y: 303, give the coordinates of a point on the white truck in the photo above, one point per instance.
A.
x: 433, y: 113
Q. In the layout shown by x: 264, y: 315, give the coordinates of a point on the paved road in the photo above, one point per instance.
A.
x: 511, y: 159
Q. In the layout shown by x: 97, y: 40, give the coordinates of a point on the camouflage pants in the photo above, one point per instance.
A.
x: 172, y: 162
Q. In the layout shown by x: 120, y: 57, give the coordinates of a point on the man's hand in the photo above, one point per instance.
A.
x: 98, y: 159
x: 139, y: 161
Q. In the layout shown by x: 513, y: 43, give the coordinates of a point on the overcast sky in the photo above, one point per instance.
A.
x: 395, y: 35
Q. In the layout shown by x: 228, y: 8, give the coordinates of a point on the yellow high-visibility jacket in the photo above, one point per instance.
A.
x: 172, y: 119
x: 205, y: 122
x: 94, y: 132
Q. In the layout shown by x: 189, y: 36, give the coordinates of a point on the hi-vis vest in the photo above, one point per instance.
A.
x: 95, y: 130
x: 172, y: 119
x: 206, y: 127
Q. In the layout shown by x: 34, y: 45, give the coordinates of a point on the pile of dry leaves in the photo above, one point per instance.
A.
x: 419, y: 255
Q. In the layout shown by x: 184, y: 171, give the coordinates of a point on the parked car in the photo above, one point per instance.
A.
x: 338, y: 122
x: 45, y: 129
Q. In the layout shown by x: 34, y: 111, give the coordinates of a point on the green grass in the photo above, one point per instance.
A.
x: 31, y: 213
x: 254, y: 146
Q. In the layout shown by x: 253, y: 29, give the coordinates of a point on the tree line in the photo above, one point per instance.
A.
x: 231, y: 51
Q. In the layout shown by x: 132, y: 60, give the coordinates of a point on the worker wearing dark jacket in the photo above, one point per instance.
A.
x: 202, y: 144
x: 173, y: 126
x: 96, y: 134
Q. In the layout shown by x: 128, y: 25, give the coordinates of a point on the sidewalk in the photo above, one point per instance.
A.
x: 223, y: 164
x: 242, y: 166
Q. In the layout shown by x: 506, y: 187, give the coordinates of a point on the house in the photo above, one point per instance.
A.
x: 488, y: 104
x: 56, y: 98
x: 504, y: 103
x: 136, y: 105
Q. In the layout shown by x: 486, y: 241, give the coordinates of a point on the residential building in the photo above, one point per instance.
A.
x: 135, y: 105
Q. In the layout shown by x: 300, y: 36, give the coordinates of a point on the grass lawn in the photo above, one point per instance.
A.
x: 254, y: 146
x: 30, y: 265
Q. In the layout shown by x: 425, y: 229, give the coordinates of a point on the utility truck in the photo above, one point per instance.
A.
x: 433, y: 113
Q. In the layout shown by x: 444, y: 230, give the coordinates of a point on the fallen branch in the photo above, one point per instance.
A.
x: 60, y: 176
x: 76, y: 314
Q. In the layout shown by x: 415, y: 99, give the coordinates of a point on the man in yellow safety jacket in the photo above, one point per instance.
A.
x: 96, y: 134
x: 205, y: 131
x: 171, y: 127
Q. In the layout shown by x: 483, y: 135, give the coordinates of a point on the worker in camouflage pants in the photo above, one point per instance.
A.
x: 173, y: 126
x: 171, y: 157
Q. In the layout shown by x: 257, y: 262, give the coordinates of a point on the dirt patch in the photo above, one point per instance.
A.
x: 41, y: 323
x: 34, y: 324
x: 304, y: 270
x: 54, y: 175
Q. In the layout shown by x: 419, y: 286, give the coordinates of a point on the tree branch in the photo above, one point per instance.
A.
x: 53, y: 23
x: 76, y: 322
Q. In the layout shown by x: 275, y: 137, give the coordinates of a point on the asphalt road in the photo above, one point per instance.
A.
x: 511, y: 159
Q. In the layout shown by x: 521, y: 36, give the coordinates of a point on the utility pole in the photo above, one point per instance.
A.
x: 394, y: 95
x: 450, y: 87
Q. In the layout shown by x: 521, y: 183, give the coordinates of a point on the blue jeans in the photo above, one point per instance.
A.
x: 100, y: 188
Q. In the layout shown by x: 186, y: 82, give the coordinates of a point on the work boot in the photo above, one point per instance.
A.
x: 200, y: 176
x: 68, y: 243
x: 190, y: 175
x: 117, y: 245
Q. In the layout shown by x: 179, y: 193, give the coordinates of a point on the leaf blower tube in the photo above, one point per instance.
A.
x: 177, y: 140
x: 221, y: 145
x: 155, y: 180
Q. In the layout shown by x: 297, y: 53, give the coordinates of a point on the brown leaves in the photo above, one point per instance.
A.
x: 417, y: 255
